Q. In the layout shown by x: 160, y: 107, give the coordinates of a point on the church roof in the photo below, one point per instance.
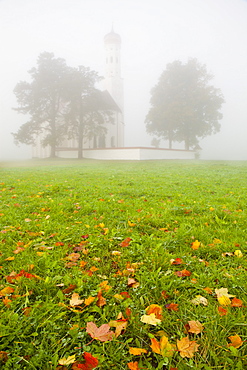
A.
x: 112, y: 37
x: 106, y: 101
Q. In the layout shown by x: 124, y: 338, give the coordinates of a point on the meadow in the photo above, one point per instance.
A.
x: 123, y: 265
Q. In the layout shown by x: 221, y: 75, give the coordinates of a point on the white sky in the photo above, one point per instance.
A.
x: 153, y: 33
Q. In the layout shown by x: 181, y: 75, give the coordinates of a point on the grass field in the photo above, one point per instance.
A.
x: 119, y: 265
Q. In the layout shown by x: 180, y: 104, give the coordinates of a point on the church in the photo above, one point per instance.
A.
x: 110, y: 145
x: 112, y: 98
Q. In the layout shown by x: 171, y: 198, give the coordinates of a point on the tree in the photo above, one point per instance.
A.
x: 184, y: 106
x: 86, y: 111
x: 43, y: 100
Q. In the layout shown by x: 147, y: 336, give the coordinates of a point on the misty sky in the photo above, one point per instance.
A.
x: 153, y: 33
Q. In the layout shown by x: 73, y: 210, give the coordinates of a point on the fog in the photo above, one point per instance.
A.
x: 153, y: 33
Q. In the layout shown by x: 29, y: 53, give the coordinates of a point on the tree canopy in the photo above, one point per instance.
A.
x: 61, y: 102
x: 184, y: 106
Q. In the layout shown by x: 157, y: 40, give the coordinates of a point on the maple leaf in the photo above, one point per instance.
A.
x: 150, y: 319
x: 6, y: 291
x: 133, y: 365
x: 182, y: 273
x: 90, y: 362
x: 101, y: 300
x: 195, y: 245
x: 101, y: 333
x: 137, y: 351
x: 89, y: 300
x: 163, y: 347
x: 133, y: 283
x: 236, y: 341
x: 222, y: 311
x: 236, y: 302
x: 172, y: 306
x: 120, y: 325
x: 67, y: 361
x: 186, y: 347
x: 195, y: 327
x: 75, y: 301
x: 223, y: 296
x: 199, y: 299
x: 156, y: 309
x: 125, y: 242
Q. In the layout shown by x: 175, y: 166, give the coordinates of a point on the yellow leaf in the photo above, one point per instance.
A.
x: 118, y: 296
x: 186, y: 347
x: 224, y: 300
x: 9, y: 259
x: 137, y: 351
x: 67, y: 361
x: 238, y: 253
x: 150, y: 319
x: 156, y: 309
x: 195, y: 327
x: 131, y: 223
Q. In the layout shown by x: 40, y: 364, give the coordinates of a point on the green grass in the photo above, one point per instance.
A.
x: 49, y: 210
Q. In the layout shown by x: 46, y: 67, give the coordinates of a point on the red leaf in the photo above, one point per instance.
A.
x: 237, y: 302
x: 222, y: 311
x: 172, y: 306
x: 90, y: 362
x: 177, y: 261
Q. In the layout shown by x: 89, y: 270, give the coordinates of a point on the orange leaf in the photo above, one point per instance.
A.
x: 195, y: 327
x: 155, y: 346
x: 90, y: 362
x: 172, y: 306
x: 6, y: 291
x: 222, y: 311
x: 137, y: 351
x: 195, y: 245
x: 133, y: 365
x: 186, y: 347
x: 125, y: 242
x: 176, y: 261
x: 101, y: 333
x: 89, y: 300
x: 183, y: 273
x: 120, y: 326
x: 156, y: 309
x: 236, y: 341
x: 237, y: 302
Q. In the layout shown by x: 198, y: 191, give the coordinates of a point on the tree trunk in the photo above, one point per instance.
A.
x: 80, y: 133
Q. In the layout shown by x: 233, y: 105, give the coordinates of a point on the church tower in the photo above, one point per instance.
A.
x: 113, y: 80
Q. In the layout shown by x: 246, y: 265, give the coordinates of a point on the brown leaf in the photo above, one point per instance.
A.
x: 101, y: 300
x: 75, y: 301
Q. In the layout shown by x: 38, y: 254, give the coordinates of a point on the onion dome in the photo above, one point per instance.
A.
x: 112, y: 38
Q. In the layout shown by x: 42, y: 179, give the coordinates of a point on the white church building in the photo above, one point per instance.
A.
x: 111, y: 146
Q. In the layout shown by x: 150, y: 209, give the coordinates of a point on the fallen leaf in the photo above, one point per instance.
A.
x: 89, y: 300
x: 101, y: 300
x: 125, y: 242
x: 195, y: 327
x: 223, y: 296
x: 67, y: 361
x: 6, y: 291
x: 156, y: 309
x: 222, y: 311
x: 200, y: 300
x: 133, y: 365
x: 150, y: 319
x: 163, y: 347
x: 137, y: 351
x: 120, y: 326
x: 132, y: 283
x: 176, y: 261
x: 236, y: 302
x: 90, y: 362
x: 182, y: 273
x: 101, y: 333
x: 238, y: 253
x: 186, y: 347
x: 236, y: 341
x: 75, y: 300
x: 172, y: 306
x: 195, y: 245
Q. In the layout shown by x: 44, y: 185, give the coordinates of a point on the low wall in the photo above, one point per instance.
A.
x: 137, y: 154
